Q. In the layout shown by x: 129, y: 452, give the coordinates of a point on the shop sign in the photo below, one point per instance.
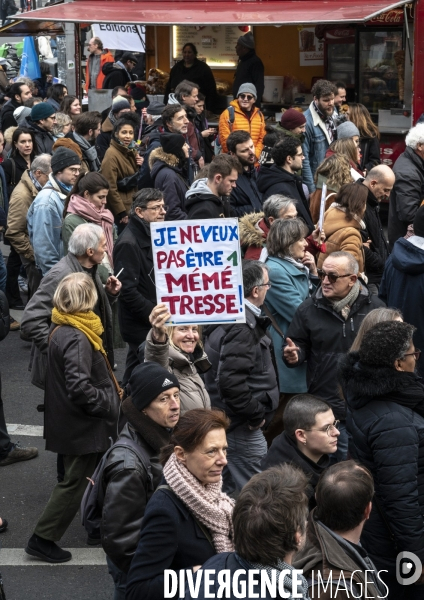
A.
x: 391, y: 17
x: 116, y: 36
x: 311, y: 49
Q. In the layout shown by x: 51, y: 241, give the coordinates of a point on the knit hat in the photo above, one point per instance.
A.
x: 247, y: 40
x: 21, y: 113
x: 419, y: 222
x: 63, y: 158
x: 128, y: 56
x: 119, y: 103
x: 291, y: 118
x: 147, y: 381
x: 247, y: 88
x: 42, y: 110
x: 347, y: 130
x: 155, y: 108
x: 138, y: 92
x: 172, y: 143
x: 67, y: 143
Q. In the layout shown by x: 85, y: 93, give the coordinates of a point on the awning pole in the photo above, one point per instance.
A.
x: 156, y: 47
x: 408, y: 39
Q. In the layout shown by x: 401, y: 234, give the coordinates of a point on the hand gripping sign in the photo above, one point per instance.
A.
x: 198, y: 270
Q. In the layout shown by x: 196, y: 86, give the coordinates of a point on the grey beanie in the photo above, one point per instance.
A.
x: 155, y: 108
x: 347, y: 130
x: 20, y: 114
x: 63, y: 158
x: 247, y: 40
x: 247, y: 88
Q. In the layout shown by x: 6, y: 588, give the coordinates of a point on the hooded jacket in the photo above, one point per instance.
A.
x: 342, y: 235
x: 119, y: 162
x: 253, y: 233
x: 43, y: 138
x: 168, y: 177
x: 402, y: 285
x: 250, y: 69
x: 6, y: 115
x: 255, y: 125
x: 201, y: 203
x: 115, y: 75
x: 276, y: 180
x: 386, y: 426
x: 245, y: 197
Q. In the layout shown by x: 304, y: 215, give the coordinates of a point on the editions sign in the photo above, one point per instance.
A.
x: 198, y: 270
x: 118, y: 36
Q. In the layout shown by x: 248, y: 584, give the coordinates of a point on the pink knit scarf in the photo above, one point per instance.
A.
x: 208, y: 503
x: 103, y: 217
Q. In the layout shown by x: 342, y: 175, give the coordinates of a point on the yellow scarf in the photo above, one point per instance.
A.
x: 87, y: 322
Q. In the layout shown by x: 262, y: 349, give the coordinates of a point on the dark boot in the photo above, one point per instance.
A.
x: 46, y: 550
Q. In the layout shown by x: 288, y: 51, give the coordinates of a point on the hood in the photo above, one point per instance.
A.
x: 335, y: 220
x: 109, y: 67
x: 272, y: 176
x: 172, y: 99
x: 107, y: 126
x: 251, y: 234
x: 407, y: 258
x: 200, y: 188
x: 169, y: 160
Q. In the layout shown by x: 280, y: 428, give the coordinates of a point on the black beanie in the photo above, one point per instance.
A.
x: 147, y: 381
x: 419, y: 222
x: 172, y: 143
x: 63, y: 158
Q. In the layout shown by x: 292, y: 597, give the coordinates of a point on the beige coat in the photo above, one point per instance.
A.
x: 119, y: 162
x: 343, y: 236
x: 17, y: 231
x: 193, y: 393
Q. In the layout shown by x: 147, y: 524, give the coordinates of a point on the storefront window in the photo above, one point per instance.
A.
x: 341, y: 63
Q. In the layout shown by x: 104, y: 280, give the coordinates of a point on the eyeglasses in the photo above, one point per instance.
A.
x: 328, y: 430
x: 267, y: 284
x: 246, y: 97
x: 415, y: 354
x: 301, y: 154
x: 74, y: 171
x: 332, y: 277
x: 156, y: 208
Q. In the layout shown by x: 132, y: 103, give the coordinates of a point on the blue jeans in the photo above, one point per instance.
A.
x: 3, y: 273
x: 119, y: 579
x: 246, y: 448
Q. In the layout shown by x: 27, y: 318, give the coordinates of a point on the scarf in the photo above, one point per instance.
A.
x: 299, y: 265
x: 344, y: 305
x: 36, y: 183
x: 62, y: 189
x: 208, y: 503
x: 343, y: 209
x: 89, y: 152
x: 280, y: 566
x: 118, y: 62
x: 255, y: 309
x: 112, y: 118
x: 328, y: 122
x: 103, y: 217
x: 87, y: 322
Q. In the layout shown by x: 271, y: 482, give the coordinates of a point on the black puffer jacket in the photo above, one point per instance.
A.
x: 6, y: 115
x: 242, y: 380
x: 245, y: 197
x: 376, y: 256
x: 168, y: 177
x: 322, y: 336
x: 370, y: 153
x: 386, y: 425
x: 127, y: 486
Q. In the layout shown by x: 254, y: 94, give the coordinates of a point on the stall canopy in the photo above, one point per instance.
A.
x: 23, y: 28
x: 225, y: 12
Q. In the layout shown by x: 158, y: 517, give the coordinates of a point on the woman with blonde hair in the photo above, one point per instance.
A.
x: 81, y: 408
x: 369, y: 142
x: 334, y: 171
x: 179, y: 349
x: 378, y: 315
x: 62, y: 126
x: 347, y: 147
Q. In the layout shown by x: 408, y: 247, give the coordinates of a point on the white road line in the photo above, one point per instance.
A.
x: 17, y: 429
x: 17, y: 557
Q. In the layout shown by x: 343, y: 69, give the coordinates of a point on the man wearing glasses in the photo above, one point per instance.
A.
x: 324, y: 327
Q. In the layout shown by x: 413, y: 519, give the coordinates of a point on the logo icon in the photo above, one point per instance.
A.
x: 166, y: 382
x: 408, y: 568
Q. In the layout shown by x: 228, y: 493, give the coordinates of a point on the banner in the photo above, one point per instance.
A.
x: 30, y: 66
x: 198, y: 270
x: 121, y: 37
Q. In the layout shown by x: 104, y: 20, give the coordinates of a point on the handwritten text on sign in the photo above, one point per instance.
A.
x: 198, y: 270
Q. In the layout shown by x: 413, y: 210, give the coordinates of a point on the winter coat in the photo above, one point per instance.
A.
x: 315, y: 146
x: 276, y: 180
x: 328, y: 554
x: 193, y: 393
x: 199, y: 72
x: 17, y: 230
x: 6, y: 115
x: 284, y: 450
x: 115, y: 75
x: 322, y: 335
x: 171, y: 538
x: 315, y: 197
x: 200, y: 203
x: 386, y: 426
x: 102, y: 142
x: 289, y: 288
x: 206, y: 147
x: 370, y: 153
x: 253, y: 233
x: 168, y: 177
x: 250, y: 69
x: 126, y: 485
x: 133, y: 251
x: 378, y: 253
x: 43, y: 138
x: 119, y: 162
x: 407, y: 193
x: 242, y: 380
x: 152, y: 141
x: 342, y: 235
x: 255, y: 125
x: 402, y: 286
x: 13, y: 171
x: 245, y: 197
x: 105, y: 57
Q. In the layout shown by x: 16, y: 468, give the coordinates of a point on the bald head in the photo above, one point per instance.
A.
x: 380, y: 180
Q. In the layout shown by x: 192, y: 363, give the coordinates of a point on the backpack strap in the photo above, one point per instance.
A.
x: 273, y: 321
x: 55, y: 329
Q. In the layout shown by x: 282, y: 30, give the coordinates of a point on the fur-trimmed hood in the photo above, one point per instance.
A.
x: 158, y: 154
x: 250, y: 232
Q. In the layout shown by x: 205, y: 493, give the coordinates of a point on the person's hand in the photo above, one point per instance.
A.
x: 208, y: 132
x: 158, y: 317
x: 144, y: 114
x: 309, y: 261
x: 290, y: 352
x: 318, y: 236
x: 254, y: 428
x: 367, y: 244
x: 201, y: 162
x: 124, y: 219
x: 113, y: 286
x: 196, y: 568
x: 139, y: 160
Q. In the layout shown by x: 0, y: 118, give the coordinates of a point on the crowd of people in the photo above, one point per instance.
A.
x: 293, y: 441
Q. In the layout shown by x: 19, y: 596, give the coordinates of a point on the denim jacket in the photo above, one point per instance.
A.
x: 315, y: 146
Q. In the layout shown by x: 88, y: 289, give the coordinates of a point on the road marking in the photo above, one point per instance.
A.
x: 17, y: 557
x: 17, y: 429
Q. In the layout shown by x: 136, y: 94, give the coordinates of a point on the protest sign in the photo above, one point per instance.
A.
x: 322, y: 206
x: 198, y: 270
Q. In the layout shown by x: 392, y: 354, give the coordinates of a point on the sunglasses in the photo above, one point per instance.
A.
x: 332, y: 277
x: 246, y: 96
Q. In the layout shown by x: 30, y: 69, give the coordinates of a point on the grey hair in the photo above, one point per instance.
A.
x: 282, y: 234
x: 42, y: 163
x: 27, y: 82
x: 155, y: 117
x: 415, y: 136
x: 253, y: 275
x: 352, y: 263
x: 142, y: 198
x: 184, y: 88
x: 83, y: 237
x: 62, y: 119
x: 275, y: 204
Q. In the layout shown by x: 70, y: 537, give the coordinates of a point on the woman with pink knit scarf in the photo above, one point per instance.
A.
x: 188, y: 519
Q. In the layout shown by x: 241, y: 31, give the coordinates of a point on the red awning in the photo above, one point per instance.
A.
x: 276, y: 12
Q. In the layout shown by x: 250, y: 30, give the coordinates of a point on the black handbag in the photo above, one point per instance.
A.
x: 128, y: 183
x: 4, y: 316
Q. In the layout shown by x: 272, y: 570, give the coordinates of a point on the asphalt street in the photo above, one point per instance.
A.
x: 24, y: 490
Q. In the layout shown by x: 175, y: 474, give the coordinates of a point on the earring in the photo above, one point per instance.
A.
x: 304, y: 442
x: 144, y: 412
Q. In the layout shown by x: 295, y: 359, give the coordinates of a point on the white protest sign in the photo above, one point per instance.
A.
x: 117, y: 36
x: 198, y: 270
x: 322, y: 207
